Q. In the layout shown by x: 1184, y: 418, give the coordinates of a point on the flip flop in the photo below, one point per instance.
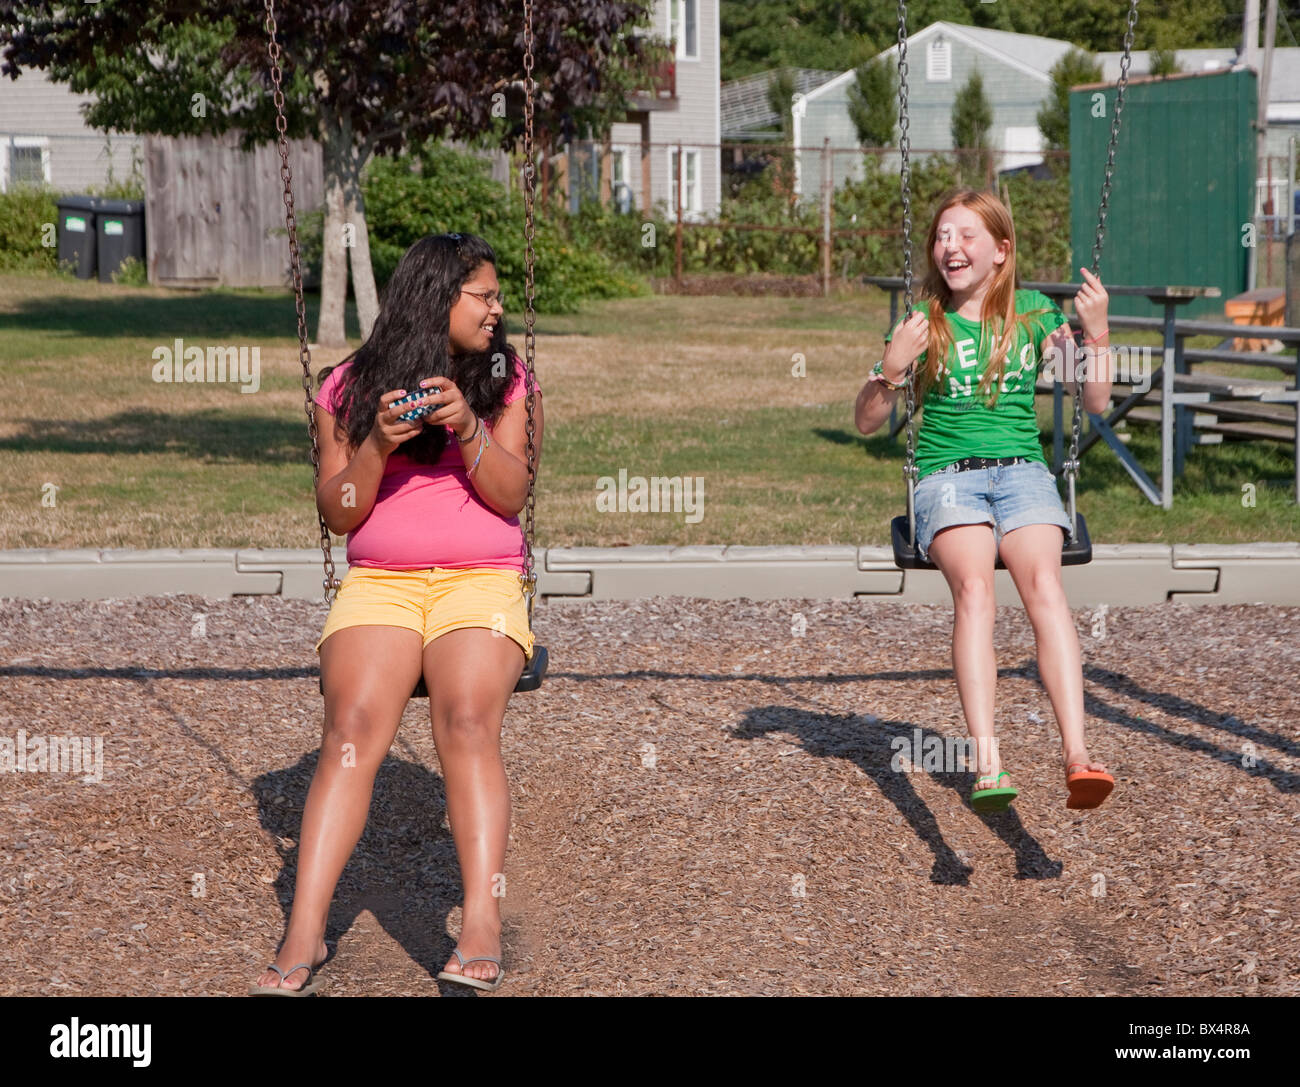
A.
x: 313, y: 984
x: 995, y: 799
x: 1088, y: 788
x: 475, y: 983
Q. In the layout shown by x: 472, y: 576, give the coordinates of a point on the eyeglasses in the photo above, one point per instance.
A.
x: 490, y: 299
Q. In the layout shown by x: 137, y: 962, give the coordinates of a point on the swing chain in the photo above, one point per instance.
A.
x: 1071, y: 465
x: 904, y: 148
x: 330, y: 582
x: 528, y: 578
x: 1114, y: 136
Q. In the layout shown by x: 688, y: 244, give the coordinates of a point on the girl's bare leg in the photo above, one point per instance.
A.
x: 1032, y: 555
x: 369, y: 673
x: 470, y: 674
x: 965, y: 555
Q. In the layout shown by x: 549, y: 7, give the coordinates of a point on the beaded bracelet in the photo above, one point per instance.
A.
x: 878, y: 374
x: 483, y: 443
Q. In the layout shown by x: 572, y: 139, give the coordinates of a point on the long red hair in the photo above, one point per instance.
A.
x: 999, y: 309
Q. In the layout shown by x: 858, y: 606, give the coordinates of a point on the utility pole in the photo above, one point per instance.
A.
x: 1265, y: 76
x: 1263, y: 68
x: 1250, y: 35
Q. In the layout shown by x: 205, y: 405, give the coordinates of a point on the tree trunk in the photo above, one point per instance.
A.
x: 346, y: 238
x: 334, y: 267
x: 363, y: 272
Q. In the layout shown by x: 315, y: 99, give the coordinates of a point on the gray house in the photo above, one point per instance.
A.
x: 940, y: 59
x: 1015, y: 69
x: 43, y: 139
x: 641, y: 153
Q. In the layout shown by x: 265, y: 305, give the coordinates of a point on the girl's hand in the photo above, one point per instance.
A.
x: 907, y: 345
x: 454, y: 412
x: 1091, y: 304
x: 389, y: 431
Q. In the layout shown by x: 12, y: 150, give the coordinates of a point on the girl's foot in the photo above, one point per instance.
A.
x: 996, y: 778
x: 989, y: 769
x: 291, y: 954
x: 1080, y: 760
x: 1089, y: 782
x: 477, y: 938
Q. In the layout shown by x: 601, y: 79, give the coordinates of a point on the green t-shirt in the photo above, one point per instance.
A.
x: 958, y: 421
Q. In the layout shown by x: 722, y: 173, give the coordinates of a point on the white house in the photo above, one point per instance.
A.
x: 43, y: 138
x: 642, y: 167
x: 940, y: 58
x: 1015, y: 69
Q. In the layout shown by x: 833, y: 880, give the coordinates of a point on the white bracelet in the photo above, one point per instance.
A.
x: 483, y: 443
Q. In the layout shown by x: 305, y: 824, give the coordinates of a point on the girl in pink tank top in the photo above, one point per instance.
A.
x: 430, y: 507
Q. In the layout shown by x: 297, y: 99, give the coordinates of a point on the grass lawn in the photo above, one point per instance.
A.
x: 658, y: 386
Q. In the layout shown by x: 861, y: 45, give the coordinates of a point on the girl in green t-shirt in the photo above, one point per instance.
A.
x: 984, y: 488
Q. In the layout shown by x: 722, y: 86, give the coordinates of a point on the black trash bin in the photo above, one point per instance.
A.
x: 120, y: 234
x: 76, y: 233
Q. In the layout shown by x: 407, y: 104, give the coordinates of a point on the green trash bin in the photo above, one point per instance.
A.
x: 76, y: 234
x: 119, y: 234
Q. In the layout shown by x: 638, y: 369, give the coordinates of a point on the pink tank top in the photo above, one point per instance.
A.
x: 428, y: 515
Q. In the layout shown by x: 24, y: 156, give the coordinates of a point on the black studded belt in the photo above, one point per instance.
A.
x: 967, y: 464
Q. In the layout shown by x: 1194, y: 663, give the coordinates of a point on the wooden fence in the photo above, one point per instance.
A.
x: 211, y: 210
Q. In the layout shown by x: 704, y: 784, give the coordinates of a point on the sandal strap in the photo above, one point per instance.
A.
x: 478, y: 958
x: 284, y: 974
x: 991, y: 777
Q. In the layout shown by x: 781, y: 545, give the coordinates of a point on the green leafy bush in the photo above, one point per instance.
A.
x: 598, y: 253
x: 132, y: 273
x: 27, y: 219
x: 438, y: 190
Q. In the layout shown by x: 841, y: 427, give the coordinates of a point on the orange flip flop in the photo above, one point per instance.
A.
x: 1088, y: 788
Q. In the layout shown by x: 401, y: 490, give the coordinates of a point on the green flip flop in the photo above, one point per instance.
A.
x: 994, y: 799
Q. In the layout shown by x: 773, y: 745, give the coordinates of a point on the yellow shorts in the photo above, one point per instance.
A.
x: 432, y: 602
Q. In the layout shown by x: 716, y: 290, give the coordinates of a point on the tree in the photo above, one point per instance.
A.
x: 873, y: 102
x: 972, y: 117
x: 780, y: 99
x: 1074, y: 68
x: 362, y: 77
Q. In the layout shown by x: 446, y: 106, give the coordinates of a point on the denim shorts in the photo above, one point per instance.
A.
x: 1005, y: 497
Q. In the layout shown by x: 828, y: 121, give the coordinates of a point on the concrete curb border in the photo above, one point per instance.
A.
x: 1120, y: 574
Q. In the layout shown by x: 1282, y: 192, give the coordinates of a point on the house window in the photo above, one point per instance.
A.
x: 684, y: 27
x: 938, y: 61
x: 620, y: 179
x: 692, y: 194
x: 1023, y: 146
x: 27, y: 162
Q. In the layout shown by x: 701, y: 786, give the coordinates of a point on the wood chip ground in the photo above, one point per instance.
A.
x: 703, y: 804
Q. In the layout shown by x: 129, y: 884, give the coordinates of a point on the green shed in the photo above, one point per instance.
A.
x: 1182, y: 190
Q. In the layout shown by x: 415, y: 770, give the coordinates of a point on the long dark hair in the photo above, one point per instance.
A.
x: 410, y: 342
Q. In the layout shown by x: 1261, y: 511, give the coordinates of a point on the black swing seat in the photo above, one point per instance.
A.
x: 1074, y: 552
x: 529, y: 680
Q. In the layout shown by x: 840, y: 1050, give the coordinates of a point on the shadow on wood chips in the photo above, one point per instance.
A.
x: 709, y: 798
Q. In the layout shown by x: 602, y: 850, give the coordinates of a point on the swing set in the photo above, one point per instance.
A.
x: 531, y: 677
x: 1076, y: 549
